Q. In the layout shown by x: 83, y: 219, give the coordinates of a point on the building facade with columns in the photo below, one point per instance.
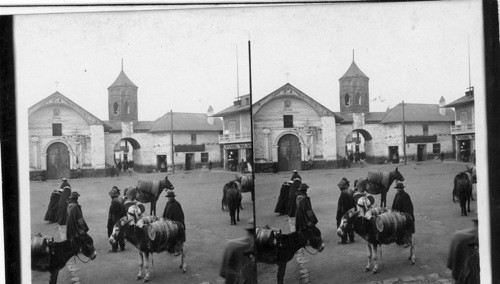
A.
x: 65, y: 138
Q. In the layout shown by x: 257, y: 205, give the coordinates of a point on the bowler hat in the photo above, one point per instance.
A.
x: 74, y: 195
x: 399, y: 185
x: 343, y: 184
x: 170, y: 193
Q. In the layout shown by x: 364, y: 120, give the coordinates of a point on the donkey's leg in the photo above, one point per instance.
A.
x: 180, y: 248
x: 146, y: 266
x: 412, y: 251
x: 238, y: 213
x: 153, y: 208
x: 375, y: 256
x: 53, y: 276
x: 141, y: 263
x: 369, y: 255
x: 281, y: 272
x: 468, y: 202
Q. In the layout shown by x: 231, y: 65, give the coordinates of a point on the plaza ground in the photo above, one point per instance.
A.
x: 430, y: 186
x: 208, y: 229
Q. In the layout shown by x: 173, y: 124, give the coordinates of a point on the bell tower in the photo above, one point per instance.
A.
x: 354, y: 94
x: 122, y: 99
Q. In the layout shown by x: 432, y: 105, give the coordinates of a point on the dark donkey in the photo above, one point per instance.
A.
x: 379, y: 183
x: 150, y: 235
x: 463, y: 189
x: 148, y: 191
x: 396, y: 228
x: 466, y: 176
x: 232, y: 196
x: 277, y: 248
x: 52, y: 256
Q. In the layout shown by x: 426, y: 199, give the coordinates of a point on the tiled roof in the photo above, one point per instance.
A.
x: 139, y: 126
x: 186, y: 121
x: 232, y: 109
x: 354, y: 71
x: 461, y: 101
x: 418, y: 113
x: 122, y: 80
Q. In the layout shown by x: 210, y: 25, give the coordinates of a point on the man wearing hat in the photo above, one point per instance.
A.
x: 345, y: 203
x: 295, y: 175
x: 304, y: 217
x: 402, y: 203
x: 62, y: 211
x: 292, y: 197
x: 75, y: 224
x: 173, y: 211
x: 116, y: 212
x: 238, y: 263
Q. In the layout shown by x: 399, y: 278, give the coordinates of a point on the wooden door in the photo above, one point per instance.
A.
x: 289, y: 153
x: 58, y: 161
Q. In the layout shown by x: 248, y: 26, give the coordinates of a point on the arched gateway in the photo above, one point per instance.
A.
x: 289, y: 153
x: 58, y: 161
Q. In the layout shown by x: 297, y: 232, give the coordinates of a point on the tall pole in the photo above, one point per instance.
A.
x: 172, y: 138
x: 237, y: 75
x: 404, y: 134
x: 251, y: 128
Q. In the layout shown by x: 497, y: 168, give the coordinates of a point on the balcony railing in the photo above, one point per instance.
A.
x: 236, y: 137
x: 464, y: 128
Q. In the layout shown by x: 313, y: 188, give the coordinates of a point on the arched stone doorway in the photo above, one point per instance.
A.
x: 127, y: 152
x: 289, y: 153
x: 358, y: 141
x: 58, y: 161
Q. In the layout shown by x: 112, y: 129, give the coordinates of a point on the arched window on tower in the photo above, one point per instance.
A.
x: 347, y: 99
x: 358, y: 98
x: 126, y: 108
x: 115, y: 108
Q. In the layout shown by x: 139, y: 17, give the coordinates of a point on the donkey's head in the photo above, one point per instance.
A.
x: 86, y: 244
x: 347, y: 223
x: 313, y: 238
x: 397, y: 175
x: 118, y: 233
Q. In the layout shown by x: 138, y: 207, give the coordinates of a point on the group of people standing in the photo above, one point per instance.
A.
x: 64, y: 209
x: 294, y: 202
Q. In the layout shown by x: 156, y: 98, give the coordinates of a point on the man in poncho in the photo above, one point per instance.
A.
x: 116, y: 212
x: 295, y: 175
x: 62, y: 212
x: 64, y: 183
x: 292, y: 197
x: 238, y: 262
x: 345, y: 203
x: 304, y: 217
x: 173, y: 211
x: 402, y: 203
x: 75, y: 224
x: 53, y: 207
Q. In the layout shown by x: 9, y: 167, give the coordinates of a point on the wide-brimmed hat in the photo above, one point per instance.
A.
x: 297, y: 179
x: 69, y: 187
x: 294, y: 171
x: 303, y: 187
x: 114, y: 192
x: 399, y: 185
x: 64, y: 179
x: 74, y: 195
x: 170, y: 193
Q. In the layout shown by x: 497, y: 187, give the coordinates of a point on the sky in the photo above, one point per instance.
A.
x: 186, y: 60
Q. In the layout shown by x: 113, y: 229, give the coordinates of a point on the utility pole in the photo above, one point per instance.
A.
x: 172, y: 138
x: 251, y: 128
x: 404, y: 134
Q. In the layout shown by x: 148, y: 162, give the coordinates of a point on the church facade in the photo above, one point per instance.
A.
x: 66, y: 140
x: 293, y: 131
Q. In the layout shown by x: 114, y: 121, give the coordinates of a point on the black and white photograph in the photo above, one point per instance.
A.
x: 253, y: 143
x: 139, y: 141
x: 365, y: 148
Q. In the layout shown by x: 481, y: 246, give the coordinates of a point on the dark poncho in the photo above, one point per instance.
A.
x: 295, y: 175
x: 53, y: 207
x: 64, y: 184
x: 75, y: 224
x: 282, y: 204
x: 402, y: 203
x: 235, y: 263
x: 292, y: 197
x: 304, y: 214
x: 62, y: 213
x: 460, y: 250
x: 116, y: 212
x: 345, y: 203
x: 173, y: 211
